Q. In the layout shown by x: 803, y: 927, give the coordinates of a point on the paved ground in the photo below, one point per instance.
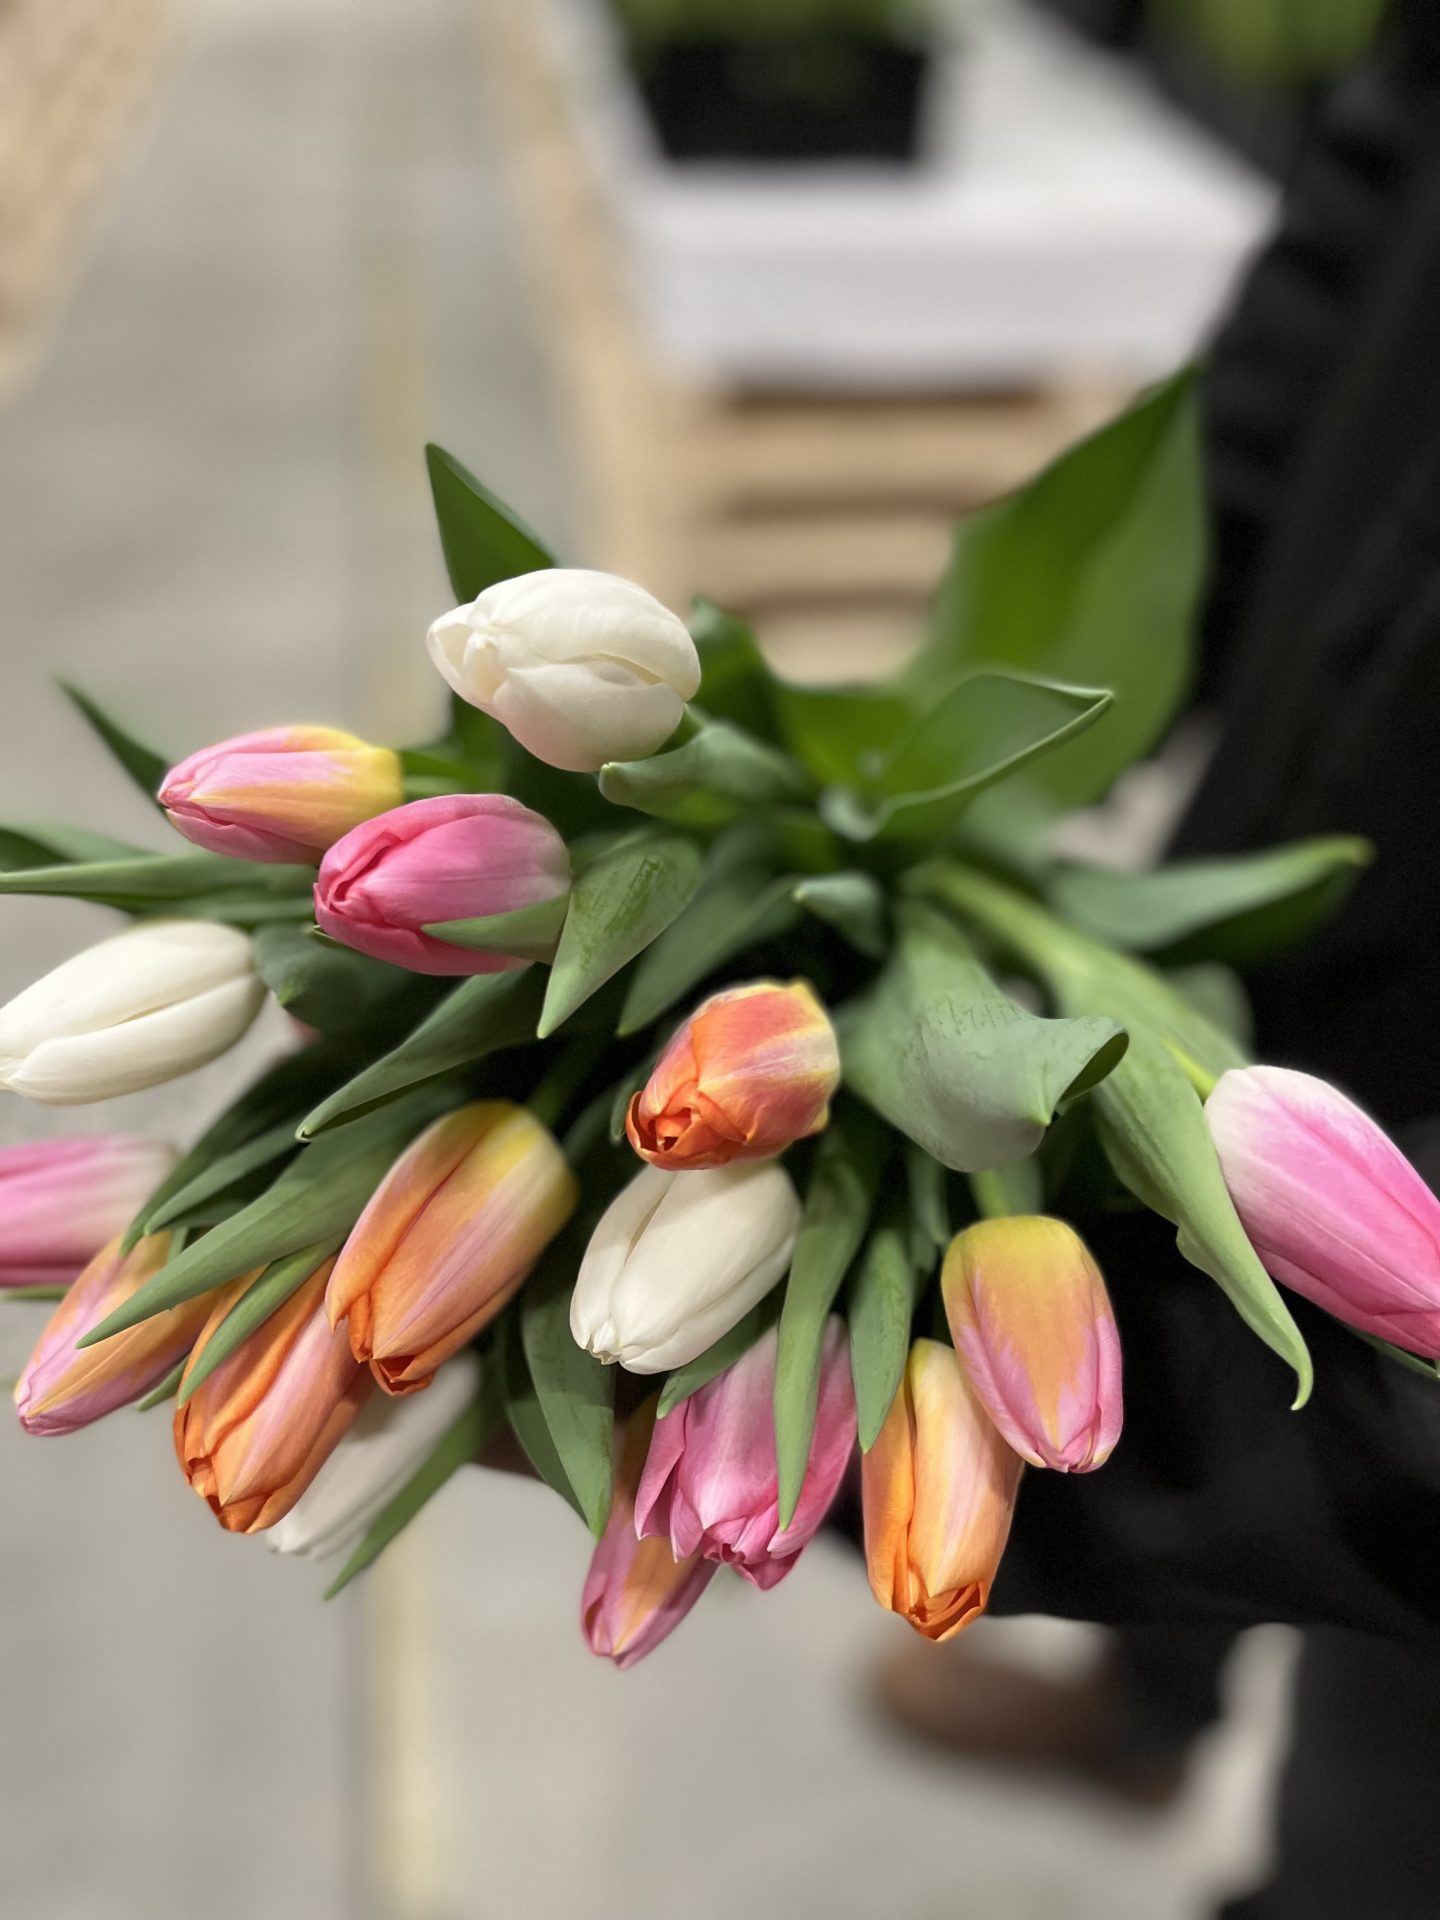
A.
x: 210, y: 512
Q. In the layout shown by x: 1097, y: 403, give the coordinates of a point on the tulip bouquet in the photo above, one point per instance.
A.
x: 665, y: 1032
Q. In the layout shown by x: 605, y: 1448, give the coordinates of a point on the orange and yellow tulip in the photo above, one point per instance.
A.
x: 938, y: 1490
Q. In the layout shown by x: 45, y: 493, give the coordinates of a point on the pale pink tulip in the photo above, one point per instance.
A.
x: 285, y: 794
x: 61, y: 1201
x: 1331, y: 1205
x: 710, y: 1480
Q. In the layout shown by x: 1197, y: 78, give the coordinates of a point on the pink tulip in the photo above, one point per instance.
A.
x: 1331, y: 1205
x: 710, y: 1480
x: 282, y: 795
x: 61, y: 1201
x: 462, y: 856
x: 1032, y: 1323
x: 636, y: 1592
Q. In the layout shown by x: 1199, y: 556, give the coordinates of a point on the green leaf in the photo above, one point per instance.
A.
x: 483, y: 540
x: 221, y: 1174
x: 486, y: 1013
x: 842, y: 734
x: 255, y: 1306
x: 527, y: 1421
x: 320, y: 1194
x: 1153, y: 1128
x: 854, y: 904
x: 950, y: 1060
x: 882, y: 1306
x: 48, y: 844
x: 1000, y: 1193
x: 925, y: 1182
x: 524, y: 933
x: 470, y: 1434
x: 1413, y: 1362
x: 724, y: 1352
x: 40, y: 1291
x: 620, y: 903
x: 1089, y: 574
x: 145, y: 767
x: 838, y: 1204
x: 143, y: 883
x: 1219, y: 997
x: 576, y: 1393
x: 332, y: 988
x: 165, y: 1391
x: 718, y: 775
x: 1236, y: 910
x: 735, y: 682
x: 985, y: 729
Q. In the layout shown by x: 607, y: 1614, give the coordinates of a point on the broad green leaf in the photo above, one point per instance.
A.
x: 1089, y: 574
x: 524, y: 933
x: 882, y: 1305
x: 49, y: 844
x: 852, y: 903
x: 842, y: 734
x: 1236, y: 910
x: 144, y: 766
x: 620, y: 903
x: 320, y: 1194
x: 735, y: 682
x: 166, y: 1390
x: 333, y: 989
x: 838, y: 1204
x: 925, y: 1183
x: 576, y: 1393
x: 40, y: 1291
x: 1218, y: 996
x: 723, y: 1353
x: 483, y: 540
x: 950, y: 1060
x: 527, y: 1420
x: 718, y: 775
x: 1153, y: 1128
x: 143, y: 883
x: 469, y: 1436
x: 221, y: 1174
x: 486, y: 1013
x: 982, y: 731
x: 255, y: 1306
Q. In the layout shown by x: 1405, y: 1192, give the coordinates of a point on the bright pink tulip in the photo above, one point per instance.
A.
x: 1332, y: 1206
x: 710, y: 1480
x: 636, y: 1592
x: 61, y: 1201
x: 1032, y: 1323
x: 282, y: 795
x: 462, y: 856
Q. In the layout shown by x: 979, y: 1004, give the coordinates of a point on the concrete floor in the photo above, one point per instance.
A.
x: 212, y: 514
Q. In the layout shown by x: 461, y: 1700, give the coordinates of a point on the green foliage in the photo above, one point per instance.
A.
x: 620, y: 903
x: 881, y: 1307
x: 1278, y: 43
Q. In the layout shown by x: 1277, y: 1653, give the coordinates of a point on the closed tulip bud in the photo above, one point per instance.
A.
x: 678, y: 1258
x: 460, y: 856
x: 1032, y: 1323
x: 1330, y: 1204
x: 636, y: 1592
x: 142, y: 1007
x: 751, y: 1071
x: 385, y: 1444
x: 62, y: 1389
x: 710, y: 1483
x: 255, y: 1433
x: 938, y: 1489
x: 282, y: 795
x: 450, y: 1234
x: 581, y: 667
x: 63, y: 1200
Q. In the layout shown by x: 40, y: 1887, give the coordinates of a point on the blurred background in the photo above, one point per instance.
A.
x: 745, y: 298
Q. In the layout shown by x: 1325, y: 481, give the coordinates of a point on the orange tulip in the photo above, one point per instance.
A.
x: 62, y: 1389
x: 255, y: 1434
x: 750, y: 1071
x: 451, y: 1233
x: 938, y: 1489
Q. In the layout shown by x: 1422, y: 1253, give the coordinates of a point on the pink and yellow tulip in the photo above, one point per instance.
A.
x: 751, y: 1071
x: 285, y: 794
x: 450, y: 1234
x: 710, y: 1485
x: 636, y: 1592
x: 1331, y: 1205
x: 1032, y: 1323
x: 62, y: 1389
x: 461, y: 856
x: 62, y: 1201
x: 254, y: 1434
x: 938, y: 1489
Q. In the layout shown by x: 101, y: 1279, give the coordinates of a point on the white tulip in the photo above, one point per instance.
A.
x: 140, y: 1008
x: 581, y: 667
x: 679, y: 1258
x: 387, y: 1441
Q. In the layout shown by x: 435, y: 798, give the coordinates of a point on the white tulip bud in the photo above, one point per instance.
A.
x: 678, y: 1258
x: 140, y: 1008
x: 581, y: 667
x: 384, y: 1444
